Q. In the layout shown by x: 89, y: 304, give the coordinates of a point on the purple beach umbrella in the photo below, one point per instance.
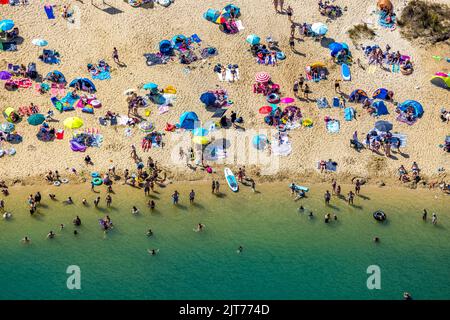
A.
x: 5, y: 75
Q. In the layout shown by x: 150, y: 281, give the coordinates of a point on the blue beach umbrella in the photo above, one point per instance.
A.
x: 208, y: 98
x: 150, y: 86
x: 253, y: 39
x: 6, y: 25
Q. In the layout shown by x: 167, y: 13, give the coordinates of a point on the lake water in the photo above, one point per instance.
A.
x: 286, y: 255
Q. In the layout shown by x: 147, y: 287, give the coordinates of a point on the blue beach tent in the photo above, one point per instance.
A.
x: 188, y: 120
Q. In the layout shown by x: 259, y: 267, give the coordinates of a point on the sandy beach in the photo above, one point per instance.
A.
x: 137, y: 31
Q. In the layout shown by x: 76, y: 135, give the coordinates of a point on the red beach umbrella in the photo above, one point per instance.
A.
x: 265, y: 110
x: 262, y: 77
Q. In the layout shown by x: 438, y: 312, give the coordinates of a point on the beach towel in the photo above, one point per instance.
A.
x: 49, y: 11
x: 399, y: 137
x: 402, y: 118
x: 104, y: 75
x: 239, y: 25
x: 219, y: 113
x: 349, y: 114
x: 8, y: 46
x: 195, y: 38
x: 395, y: 68
x: 322, y: 103
x: 163, y: 109
x: 333, y: 126
x: 68, y: 101
x: 329, y: 165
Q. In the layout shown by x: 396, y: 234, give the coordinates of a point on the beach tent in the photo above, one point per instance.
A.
x: 84, y: 83
x: 417, y: 107
x: 380, y: 93
x: 380, y: 107
x: 188, y: 120
x: 440, y: 81
x: 253, y: 39
x: 9, y: 113
x: 385, y: 5
x: 165, y: 47
x: 362, y: 95
x: 178, y: 40
x: 211, y: 15
x: 51, y: 75
x: 336, y: 47
x: 208, y: 98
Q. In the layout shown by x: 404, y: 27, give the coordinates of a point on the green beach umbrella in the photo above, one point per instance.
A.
x: 36, y: 119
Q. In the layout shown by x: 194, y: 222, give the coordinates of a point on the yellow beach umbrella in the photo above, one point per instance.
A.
x: 73, y: 123
x: 200, y: 140
x: 317, y: 65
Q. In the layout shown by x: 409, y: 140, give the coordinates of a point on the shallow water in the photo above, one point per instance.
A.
x: 286, y: 255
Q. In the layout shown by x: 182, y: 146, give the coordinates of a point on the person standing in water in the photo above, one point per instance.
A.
x: 108, y: 200
x: 357, y: 186
x: 434, y: 218
x: 217, y: 186
x: 424, y: 215
x: 240, y: 249
x: 175, y: 197
x: 327, y: 197
x: 192, y: 196
x: 26, y: 240
x: 96, y: 202
x: 213, y: 186
x: 350, y: 197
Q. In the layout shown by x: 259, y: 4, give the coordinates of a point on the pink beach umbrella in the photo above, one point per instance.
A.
x: 287, y: 100
x: 262, y: 77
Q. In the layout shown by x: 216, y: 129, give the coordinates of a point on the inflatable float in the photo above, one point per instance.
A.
x: 379, y: 216
x: 345, y: 72
x: 298, y: 188
x: 231, y: 180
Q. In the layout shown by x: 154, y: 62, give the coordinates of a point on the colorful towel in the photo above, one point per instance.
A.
x: 402, y: 118
x: 395, y: 68
x: 399, y: 137
x: 104, y: 75
x: 49, y: 11
x: 333, y: 126
x: 329, y: 165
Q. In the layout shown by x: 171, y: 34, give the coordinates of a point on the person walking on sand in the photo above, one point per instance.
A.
x: 301, y: 81
x: 337, y: 86
x: 306, y: 92
x: 213, y: 186
x: 253, y: 186
x: 217, y: 186
x: 115, y: 55
x: 357, y: 186
x: 108, y: 200
x: 96, y: 202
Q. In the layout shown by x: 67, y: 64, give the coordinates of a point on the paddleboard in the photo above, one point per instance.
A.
x: 345, y: 72
x: 298, y: 188
x: 231, y: 180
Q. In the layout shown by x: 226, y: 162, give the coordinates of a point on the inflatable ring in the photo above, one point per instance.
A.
x: 97, y: 181
x: 95, y: 175
x: 64, y: 181
x: 379, y: 215
x: 280, y: 55
x: 273, y: 98
x: 57, y: 183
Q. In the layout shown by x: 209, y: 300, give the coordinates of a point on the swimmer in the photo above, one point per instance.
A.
x: 69, y: 200
x: 301, y: 209
x: 77, y: 221
x: 199, y: 227
x: 52, y: 196
x: 84, y: 202
x: 407, y: 296
x: 50, y: 235
x: 61, y: 226
x: 7, y: 215
x: 153, y: 252
x: 134, y: 210
x: 149, y: 233
x: 151, y: 204
x: 335, y: 217
x: 424, y: 215
x: 240, y: 249
x: 376, y: 239
x: 310, y: 215
x: 26, y: 239
x: 75, y: 232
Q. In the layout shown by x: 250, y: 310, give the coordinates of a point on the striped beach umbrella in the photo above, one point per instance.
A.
x: 262, y: 77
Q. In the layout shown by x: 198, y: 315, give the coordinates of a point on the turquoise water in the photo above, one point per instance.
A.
x: 286, y: 255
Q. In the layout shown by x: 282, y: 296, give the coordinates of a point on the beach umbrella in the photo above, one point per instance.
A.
x: 150, y: 86
x: 265, y: 110
x: 5, y: 75
x: 383, y: 126
x: 36, y: 119
x: 6, y: 25
x: 317, y: 65
x: 73, y: 123
x: 319, y: 28
x: 200, y: 140
x: 262, y: 77
x: 221, y: 19
x: 253, y: 39
x: 146, y: 126
x: 200, y: 132
x: 39, y: 42
x: 287, y: 100
x: 7, y: 127
x: 208, y: 98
